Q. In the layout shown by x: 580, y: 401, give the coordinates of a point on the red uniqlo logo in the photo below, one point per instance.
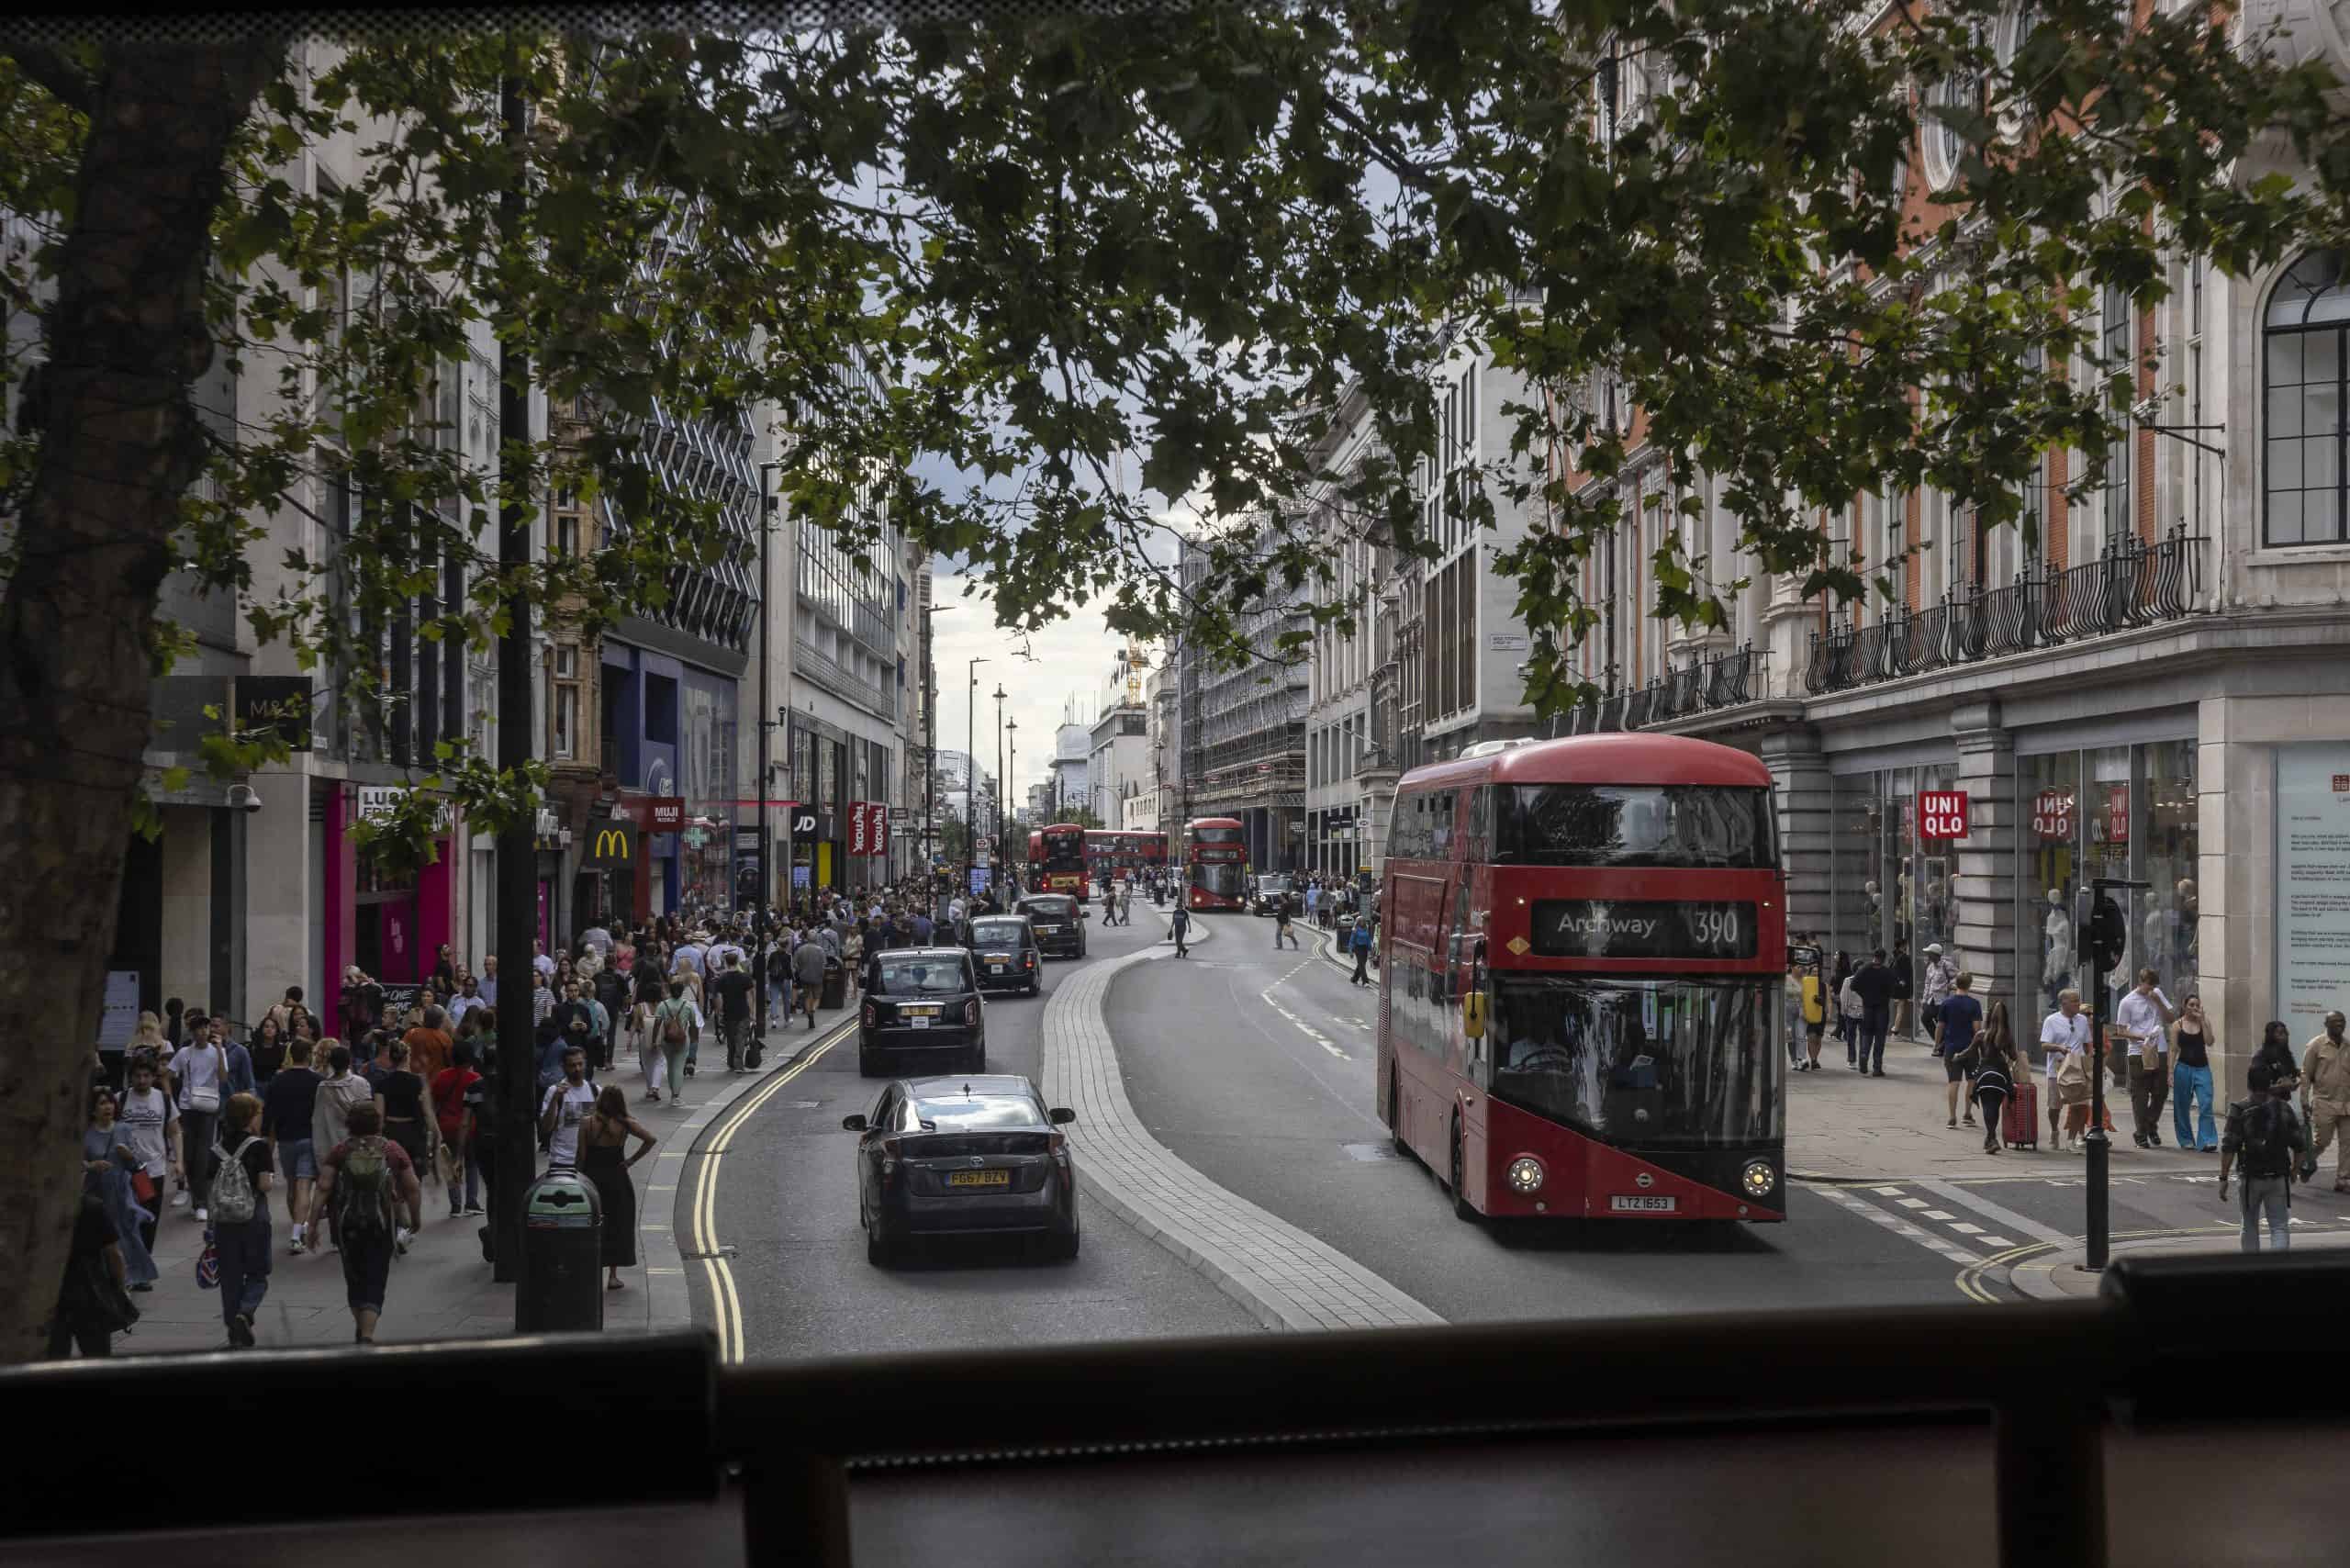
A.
x: 2342, y: 783
x: 2051, y: 814
x: 1941, y: 814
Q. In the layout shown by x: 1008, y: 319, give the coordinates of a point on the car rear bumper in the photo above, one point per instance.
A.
x: 1018, y: 980
x: 1047, y: 1209
x: 915, y: 1042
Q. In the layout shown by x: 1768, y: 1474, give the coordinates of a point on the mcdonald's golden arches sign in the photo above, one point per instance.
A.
x: 611, y: 844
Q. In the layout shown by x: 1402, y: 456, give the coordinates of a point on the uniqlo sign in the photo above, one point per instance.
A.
x: 857, y: 829
x: 2051, y: 815
x: 1941, y: 814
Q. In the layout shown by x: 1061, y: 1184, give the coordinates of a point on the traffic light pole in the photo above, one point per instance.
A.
x: 2108, y: 938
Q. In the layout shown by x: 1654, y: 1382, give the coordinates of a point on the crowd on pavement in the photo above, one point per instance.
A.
x: 347, y: 1128
x: 2158, y: 1052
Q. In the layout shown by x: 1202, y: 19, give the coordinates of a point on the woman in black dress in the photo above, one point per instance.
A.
x: 602, y: 1137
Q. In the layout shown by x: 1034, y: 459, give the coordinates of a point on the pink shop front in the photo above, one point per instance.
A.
x: 392, y: 928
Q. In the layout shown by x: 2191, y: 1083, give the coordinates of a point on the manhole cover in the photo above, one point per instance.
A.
x: 1368, y: 1150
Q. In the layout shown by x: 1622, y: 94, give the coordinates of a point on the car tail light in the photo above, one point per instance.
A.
x: 971, y: 1013
x: 888, y: 1157
x: 1055, y: 1143
x: 870, y: 1015
x: 1032, y: 960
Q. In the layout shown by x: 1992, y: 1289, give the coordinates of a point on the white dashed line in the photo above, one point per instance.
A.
x: 1902, y: 1227
x: 1963, y: 1228
x: 1999, y: 1241
x: 1912, y: 1203
x: 1308, y: 1030
x: 1939, y: 1214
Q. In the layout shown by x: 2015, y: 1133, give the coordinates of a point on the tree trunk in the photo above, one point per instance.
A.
x: 126, y: 337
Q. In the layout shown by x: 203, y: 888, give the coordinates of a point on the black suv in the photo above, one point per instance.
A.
x: 1003, y: 951
x: 923, y: 1001
x: 1058, y: 920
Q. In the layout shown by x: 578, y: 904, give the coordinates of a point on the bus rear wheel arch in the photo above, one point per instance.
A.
x: 1461, y: 1207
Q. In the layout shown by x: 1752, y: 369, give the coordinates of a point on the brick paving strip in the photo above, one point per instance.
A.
x: 1285, y: 1276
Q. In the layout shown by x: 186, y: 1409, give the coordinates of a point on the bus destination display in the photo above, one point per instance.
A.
x: 1622, y: 928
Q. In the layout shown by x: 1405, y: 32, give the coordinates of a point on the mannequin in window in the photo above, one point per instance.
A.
x: 2055, y: 948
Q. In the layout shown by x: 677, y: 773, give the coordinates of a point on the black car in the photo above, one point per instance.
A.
x: 1271, y: 891
x: 923, y: 1000
x: 1004, y: 953
x: 1058, y: 920
x: 963, y: 1156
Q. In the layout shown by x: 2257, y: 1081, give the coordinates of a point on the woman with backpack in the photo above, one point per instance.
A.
x: 1989, y: 1066
x: 674, y: 1024
x: 241, y: 1188
x: 369, y: 1182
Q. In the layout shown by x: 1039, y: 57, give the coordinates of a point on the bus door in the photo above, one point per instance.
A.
x: 1464, y: 955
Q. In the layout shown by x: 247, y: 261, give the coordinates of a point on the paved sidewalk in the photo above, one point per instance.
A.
x: 441, y: 1289
x: 1844, y: 1126
x: 2056, y: 1275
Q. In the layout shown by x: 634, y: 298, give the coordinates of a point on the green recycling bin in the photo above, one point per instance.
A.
x: 561, y: 1287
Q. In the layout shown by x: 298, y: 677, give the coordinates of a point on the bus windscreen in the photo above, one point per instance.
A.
x: 1640, y: 1063
x: 1703, y: 826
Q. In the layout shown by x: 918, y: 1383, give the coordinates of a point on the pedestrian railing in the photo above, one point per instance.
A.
x: 2134, y: 584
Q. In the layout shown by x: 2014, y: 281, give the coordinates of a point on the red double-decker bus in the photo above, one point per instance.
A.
x: 1583, y: 950
x: 1112, y: 855
x: 1057, y: 859
x: 1216, y: 864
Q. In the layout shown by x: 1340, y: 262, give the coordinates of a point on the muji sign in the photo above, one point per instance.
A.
x: 1941, y: 814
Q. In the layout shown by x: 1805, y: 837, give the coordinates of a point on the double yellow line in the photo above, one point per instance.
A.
x: 1970, y: 1278
x: 725, y: 1300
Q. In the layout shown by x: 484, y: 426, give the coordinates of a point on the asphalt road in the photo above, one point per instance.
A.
x: 788, y: 1203
x: 1258, y: 1067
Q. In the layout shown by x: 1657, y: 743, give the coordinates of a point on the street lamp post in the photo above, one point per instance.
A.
x: 930, y: 747
x: 970, y: 770
x: 996, y: 826
x: 767, y: 873
x: 1010, y: 767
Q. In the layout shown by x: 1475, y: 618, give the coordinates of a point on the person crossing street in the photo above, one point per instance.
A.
x: 1280, y: 924
x: 1178, y: 926
x: 1358, y: 943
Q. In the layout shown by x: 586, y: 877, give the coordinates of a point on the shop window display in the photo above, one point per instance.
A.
x: 2128, y: 813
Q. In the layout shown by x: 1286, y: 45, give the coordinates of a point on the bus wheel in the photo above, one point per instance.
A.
x: 1460, y: 1204
x: 1395, y: 1116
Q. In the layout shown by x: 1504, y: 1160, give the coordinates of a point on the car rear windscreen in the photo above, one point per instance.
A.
x: 921, y: 977
x: 978, y: 1113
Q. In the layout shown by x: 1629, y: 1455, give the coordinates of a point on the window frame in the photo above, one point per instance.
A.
x: 2303, y: 331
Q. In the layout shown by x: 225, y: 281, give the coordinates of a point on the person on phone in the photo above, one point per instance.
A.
x: 2192, y: 1043
x: 2140, y: 1018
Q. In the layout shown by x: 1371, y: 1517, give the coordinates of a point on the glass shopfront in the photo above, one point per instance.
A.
x: 2125, y: 811
x: 1892, y: 888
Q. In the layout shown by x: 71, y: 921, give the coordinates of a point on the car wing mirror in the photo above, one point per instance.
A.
x: 1061, y: 1115
x: 852, y: 1123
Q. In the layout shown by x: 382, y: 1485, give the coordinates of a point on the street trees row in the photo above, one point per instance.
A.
x: 1055, y: 241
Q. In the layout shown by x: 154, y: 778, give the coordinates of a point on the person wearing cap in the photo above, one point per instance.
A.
x: 1935, y: 988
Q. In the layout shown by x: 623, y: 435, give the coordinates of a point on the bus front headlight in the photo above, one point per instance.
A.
x: 1758, y: 1179
x: 1525, y: 1174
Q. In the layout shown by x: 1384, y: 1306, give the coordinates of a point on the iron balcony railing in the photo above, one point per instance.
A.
x: 2134, y: 584
x: 1701, y: 684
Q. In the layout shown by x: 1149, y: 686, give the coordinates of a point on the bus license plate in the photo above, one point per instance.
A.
x: 1619, y: 1204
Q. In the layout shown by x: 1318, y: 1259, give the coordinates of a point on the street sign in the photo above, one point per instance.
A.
x: 1941, y: 814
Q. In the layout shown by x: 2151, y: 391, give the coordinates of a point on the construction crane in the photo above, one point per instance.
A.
x: 1135, y: 663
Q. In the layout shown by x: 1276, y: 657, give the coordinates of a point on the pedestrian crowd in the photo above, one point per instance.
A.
x: 347, y: 1130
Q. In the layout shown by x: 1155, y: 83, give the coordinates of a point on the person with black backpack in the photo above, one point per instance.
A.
x: 2267, y: 1139
x: 371, y: 1184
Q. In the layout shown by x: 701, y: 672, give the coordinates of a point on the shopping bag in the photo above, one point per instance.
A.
x: 207, y: 1265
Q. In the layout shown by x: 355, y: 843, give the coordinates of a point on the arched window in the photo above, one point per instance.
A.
x: 2303, y: 466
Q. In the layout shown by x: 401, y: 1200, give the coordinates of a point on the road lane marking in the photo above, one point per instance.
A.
x: 2005, y: 1217
x: 726, y: 1301
x: 1308, y: 1030
x: 1899, y: 1226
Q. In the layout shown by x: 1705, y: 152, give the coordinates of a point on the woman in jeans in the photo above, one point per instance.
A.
x: 108, y: 1161
x: 2192, y: 1043
x: 243, y: 1245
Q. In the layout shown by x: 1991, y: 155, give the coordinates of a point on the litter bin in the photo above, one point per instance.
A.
x: 560, y: 1284
x: 836, y: 984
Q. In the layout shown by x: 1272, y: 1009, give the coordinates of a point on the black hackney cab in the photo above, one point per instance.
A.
x: 1004, y: 952
x: 963, y: 1156
x: 1058, y: 920
x: 924, y: 1001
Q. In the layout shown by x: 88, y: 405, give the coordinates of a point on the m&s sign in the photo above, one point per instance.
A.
x: 1941, y: 814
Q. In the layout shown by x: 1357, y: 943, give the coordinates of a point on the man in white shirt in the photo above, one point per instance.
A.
x: 198, y: 1078
x: 538, y: 960
x: 465, y: 1001
x: 2140, y: 1018
x: 2063, y: 1031
x: 150, y: 1123
x: 692, y: 954
x: 721, y: 948
x: 489, y: 980
x: 955, y: 909
x: 598, y: 938
x: 567, y: 1102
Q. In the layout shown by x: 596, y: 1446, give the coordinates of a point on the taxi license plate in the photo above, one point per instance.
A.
x: 1642, y: 1205
x: 919, y: 1022
x: 978, y: 1178
x: 995, y: 968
